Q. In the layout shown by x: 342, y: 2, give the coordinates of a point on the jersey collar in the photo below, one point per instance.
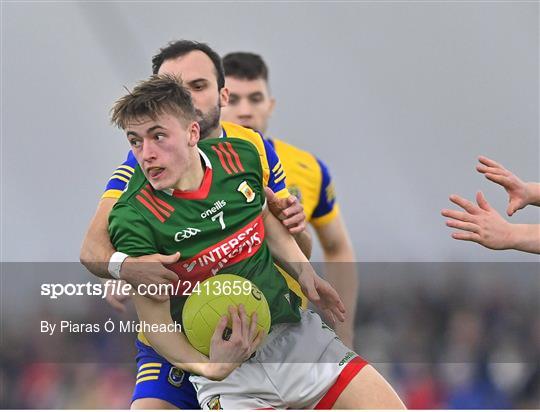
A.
x: 204, y: 188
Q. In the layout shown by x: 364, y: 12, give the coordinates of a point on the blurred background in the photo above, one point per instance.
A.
x: 406, y: 95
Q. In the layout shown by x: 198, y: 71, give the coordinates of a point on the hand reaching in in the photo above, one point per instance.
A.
x: 322, y: 295
x: 479, y: 223
x: 519, y: 192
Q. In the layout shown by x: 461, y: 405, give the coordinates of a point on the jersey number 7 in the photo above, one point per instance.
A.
x: 219, y: 216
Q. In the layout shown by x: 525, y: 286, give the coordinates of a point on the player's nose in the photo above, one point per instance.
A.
x: 148, y: 152
x: 244, y: 109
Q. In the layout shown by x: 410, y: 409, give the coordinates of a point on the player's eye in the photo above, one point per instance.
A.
x: 135, y: 143
x: 233, y: 100
x: 256, y: 98
x: 197, y: 87
x: 159, y: 137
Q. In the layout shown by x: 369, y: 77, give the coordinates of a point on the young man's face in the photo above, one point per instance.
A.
x: 250, y: 103
x: 199, y: 76
x: 162, y: 148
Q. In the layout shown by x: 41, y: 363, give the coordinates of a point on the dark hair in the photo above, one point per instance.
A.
x: 180, y: 48
x: 245, y: 66
x: 154, y: 97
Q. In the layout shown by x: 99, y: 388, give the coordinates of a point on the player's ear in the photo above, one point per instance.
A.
x: 223, y: 97
x: 194, y: 133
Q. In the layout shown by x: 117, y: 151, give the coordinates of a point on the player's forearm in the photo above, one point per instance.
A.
x: 340, y: 262
x: 284, y: 248
x: 534, y: 193
x: 303, y: 239
x: 172, y: 345
x: 341, y: 273
x: 525, y: 238
x: 97, y: 249
x: 95, y: 256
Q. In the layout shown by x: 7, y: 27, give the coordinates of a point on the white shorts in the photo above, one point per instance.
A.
x: 300, y: 365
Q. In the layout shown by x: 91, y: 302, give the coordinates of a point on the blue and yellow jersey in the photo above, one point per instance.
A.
x: 120, y: 178
x: 309, y: 179
x: 274, y: 175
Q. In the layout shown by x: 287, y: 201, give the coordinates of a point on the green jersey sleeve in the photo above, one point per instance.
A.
x: 130, y: 232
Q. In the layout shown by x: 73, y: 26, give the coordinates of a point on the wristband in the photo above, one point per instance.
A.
x: 115, y: 263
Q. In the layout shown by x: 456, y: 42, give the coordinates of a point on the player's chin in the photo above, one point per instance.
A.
x: 158, y: 184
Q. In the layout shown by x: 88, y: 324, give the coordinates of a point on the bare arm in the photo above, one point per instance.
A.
x: 174, y: 346
x: 304, y: 242
x: 341, y: 273
x: 526, y: 238
x: 288, y: 255
x: 97, y: 249
x: 534, y: 190
x: 225, y: 355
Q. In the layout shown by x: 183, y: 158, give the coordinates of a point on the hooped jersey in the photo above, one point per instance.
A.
x: 273, y: 173
x: 217, y: 228
x: 309, y: 180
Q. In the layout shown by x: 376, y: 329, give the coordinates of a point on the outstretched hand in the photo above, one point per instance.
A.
x: 479, y: 223
x: 518, y: 191
x: 323, y: 296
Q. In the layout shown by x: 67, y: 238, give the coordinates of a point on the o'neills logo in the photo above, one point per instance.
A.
x: 347, y: 358
x: 220, y: 204
x: 239, y: 246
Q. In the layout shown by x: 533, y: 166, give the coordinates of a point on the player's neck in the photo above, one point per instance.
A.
x: 192, y: 179
x: 215, y: 133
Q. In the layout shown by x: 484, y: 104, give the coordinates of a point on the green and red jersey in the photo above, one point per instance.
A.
x: 217, y: 228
